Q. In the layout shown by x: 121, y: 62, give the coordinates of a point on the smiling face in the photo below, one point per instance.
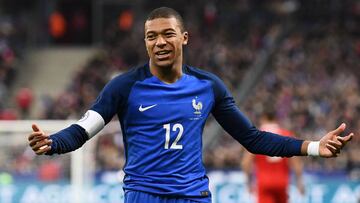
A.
x: 164, y: 40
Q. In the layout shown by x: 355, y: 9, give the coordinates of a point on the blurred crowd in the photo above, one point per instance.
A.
x: 8, y: 58
x: 226, y: 52
x: 312, y: 79
x: 313, y: 82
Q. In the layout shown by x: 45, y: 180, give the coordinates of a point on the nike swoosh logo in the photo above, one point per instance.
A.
x: 142, y: 109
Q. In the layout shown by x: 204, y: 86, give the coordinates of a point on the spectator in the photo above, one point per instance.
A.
x: 24, y: 98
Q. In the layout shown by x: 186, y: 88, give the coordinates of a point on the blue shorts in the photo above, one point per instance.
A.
x: 143, y: 197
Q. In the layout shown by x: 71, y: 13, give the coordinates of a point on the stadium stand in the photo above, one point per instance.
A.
x: 9, y: 54
x: 313, y: 75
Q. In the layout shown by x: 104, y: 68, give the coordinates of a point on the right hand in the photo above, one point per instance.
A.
x: 39, y: 142
x: 301, y: 188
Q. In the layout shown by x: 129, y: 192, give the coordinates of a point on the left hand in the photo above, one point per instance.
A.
x: 332, y: 143
x: 39, y: 142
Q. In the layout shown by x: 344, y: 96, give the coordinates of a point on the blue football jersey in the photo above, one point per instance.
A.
x: 162, y: 127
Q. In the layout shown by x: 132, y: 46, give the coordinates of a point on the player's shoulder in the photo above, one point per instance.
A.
x: 218, y: 86
x: 128, y: 78
x: 201, y: 74
x: 133, y: 74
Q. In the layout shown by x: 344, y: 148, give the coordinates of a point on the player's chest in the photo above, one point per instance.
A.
x: 157, y: 104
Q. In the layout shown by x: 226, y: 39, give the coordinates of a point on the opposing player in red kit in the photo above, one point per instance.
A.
x: 272, y: 173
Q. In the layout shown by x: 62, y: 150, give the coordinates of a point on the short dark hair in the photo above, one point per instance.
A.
x: 166, y: 12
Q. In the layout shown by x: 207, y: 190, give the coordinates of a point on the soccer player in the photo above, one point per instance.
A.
x: 162, y: 107
x: 272, y: 173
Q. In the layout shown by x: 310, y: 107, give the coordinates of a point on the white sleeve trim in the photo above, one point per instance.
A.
x: 92, y: 122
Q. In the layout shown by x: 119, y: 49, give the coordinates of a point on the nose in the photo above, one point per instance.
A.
x: 160, y: 41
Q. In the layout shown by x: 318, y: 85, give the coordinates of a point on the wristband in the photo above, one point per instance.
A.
x: 313, y: 149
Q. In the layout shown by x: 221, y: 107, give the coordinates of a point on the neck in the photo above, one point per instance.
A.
x: 168, y: 74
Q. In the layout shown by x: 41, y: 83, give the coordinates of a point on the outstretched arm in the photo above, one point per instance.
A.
x: 255, y: 141
x: 261, y: 142
x: 66, y: 140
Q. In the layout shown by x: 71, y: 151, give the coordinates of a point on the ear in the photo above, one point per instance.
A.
x: 186, y: 38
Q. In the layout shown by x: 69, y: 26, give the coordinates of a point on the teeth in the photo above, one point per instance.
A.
x: 162, y: 52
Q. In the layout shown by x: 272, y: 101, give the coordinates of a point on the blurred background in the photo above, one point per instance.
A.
x: 298, y: 57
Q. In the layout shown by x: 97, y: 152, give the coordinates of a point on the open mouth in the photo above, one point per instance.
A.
x: 162, y: 54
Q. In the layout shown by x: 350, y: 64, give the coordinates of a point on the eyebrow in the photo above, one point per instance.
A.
x: 162, y: 31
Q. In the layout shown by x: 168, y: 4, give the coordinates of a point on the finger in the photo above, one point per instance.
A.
x: 34, y: 134
x: 339, y: 130
x: 346, y: 138
x: 333, y: 150
x: 336, y: 144
x: 41, y: 144
x: 35, y: 128
x: 42, y: 151
x: 341, y: 139
x: 37, y: 139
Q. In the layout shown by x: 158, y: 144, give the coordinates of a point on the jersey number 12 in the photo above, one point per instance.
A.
x: 175, y: 144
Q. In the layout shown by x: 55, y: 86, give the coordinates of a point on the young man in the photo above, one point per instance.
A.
x: 162, y: 107
x: 272, y: 173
